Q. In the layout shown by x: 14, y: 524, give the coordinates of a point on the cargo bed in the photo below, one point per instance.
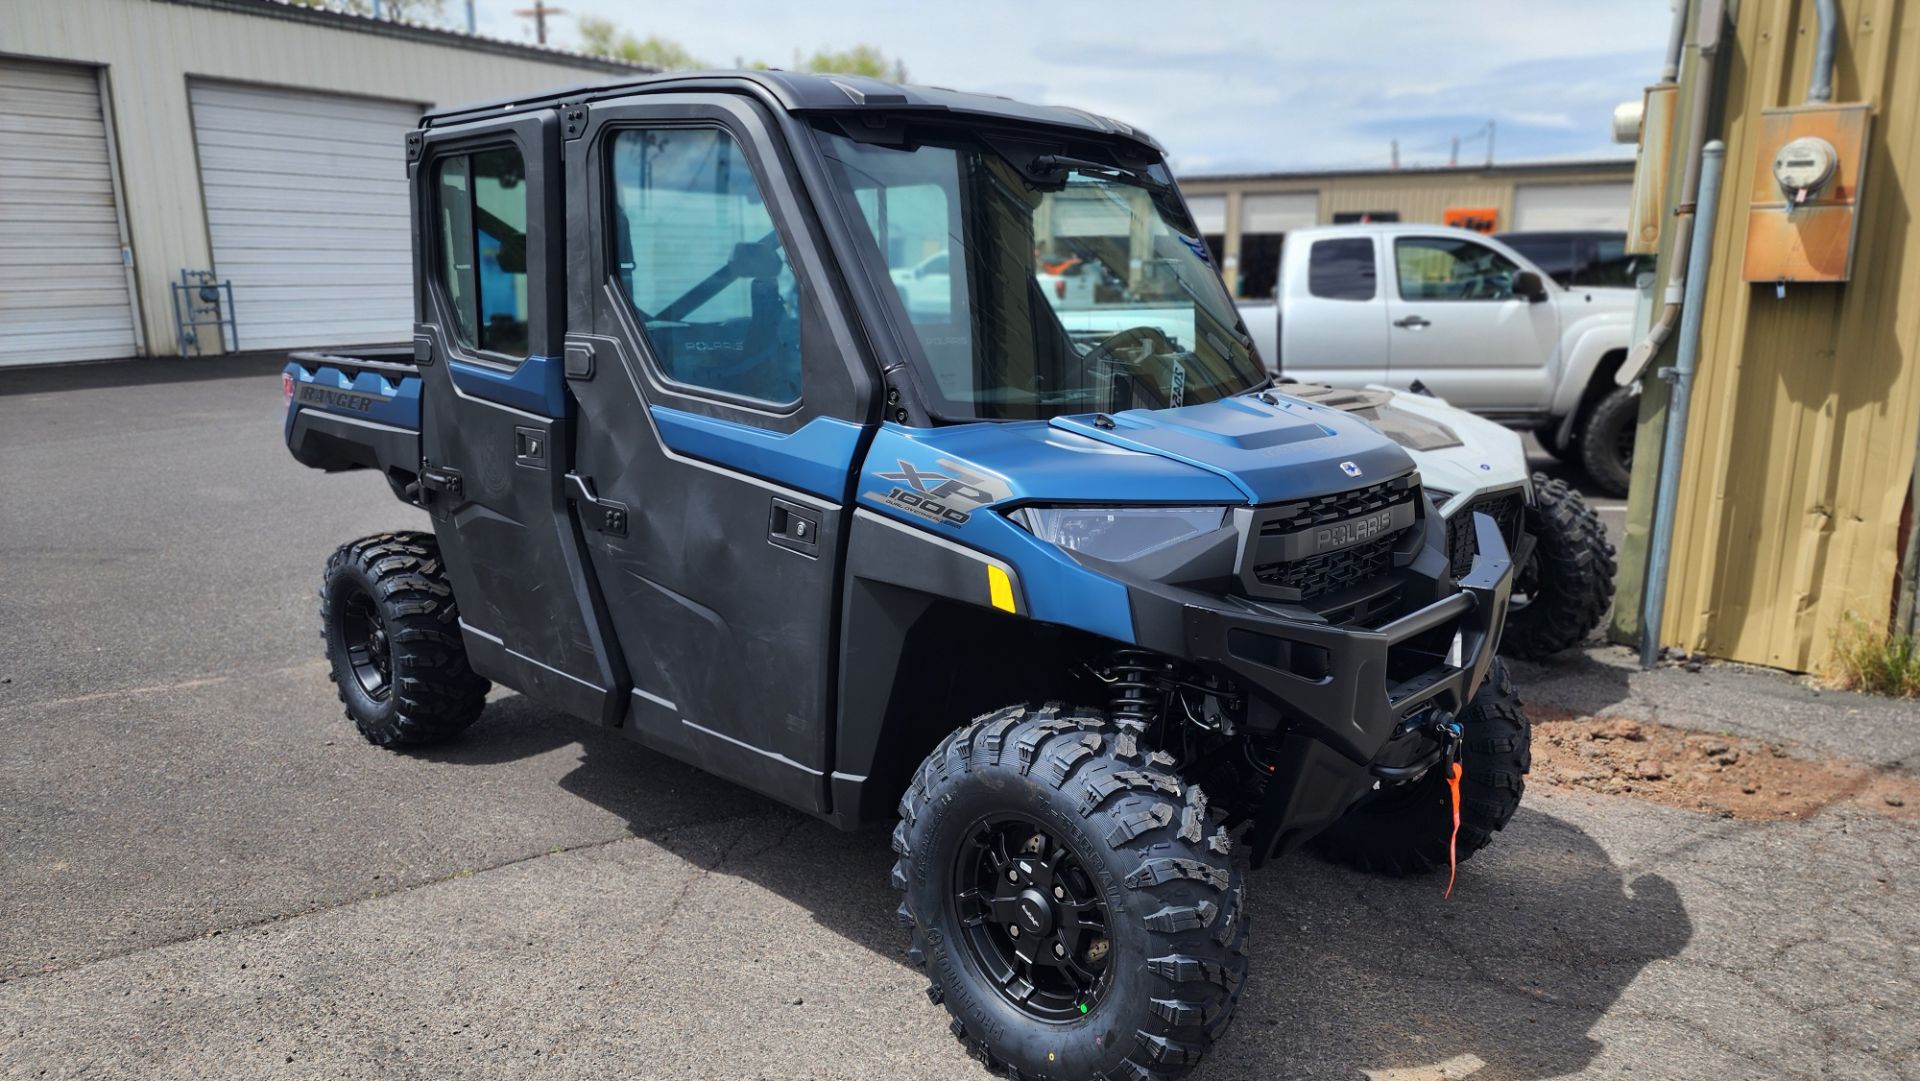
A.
x: 358, y: 410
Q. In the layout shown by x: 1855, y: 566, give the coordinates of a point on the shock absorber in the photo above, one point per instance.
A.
x: 1137, y: 694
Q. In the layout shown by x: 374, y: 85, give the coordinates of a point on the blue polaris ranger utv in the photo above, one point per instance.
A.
x: 897, y: 453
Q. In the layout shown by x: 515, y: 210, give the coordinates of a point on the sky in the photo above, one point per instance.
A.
x: 1225, y: 85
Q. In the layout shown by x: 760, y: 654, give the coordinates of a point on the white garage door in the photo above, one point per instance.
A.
x: 306, y: 198
x: 1571, y: 206
x: 63, y: 277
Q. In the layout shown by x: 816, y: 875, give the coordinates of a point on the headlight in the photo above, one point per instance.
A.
x: 1438, y: 495
x: 1117, y: 534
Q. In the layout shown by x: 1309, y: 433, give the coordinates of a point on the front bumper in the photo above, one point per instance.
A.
x: 1351, y: 689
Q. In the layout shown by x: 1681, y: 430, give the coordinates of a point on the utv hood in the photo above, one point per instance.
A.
x: 1270, y: 447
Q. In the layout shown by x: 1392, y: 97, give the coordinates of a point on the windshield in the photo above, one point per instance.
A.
x: 1054, y: 287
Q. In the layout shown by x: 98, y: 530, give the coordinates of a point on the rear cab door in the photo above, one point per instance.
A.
x: 724, y: 399
x: 1457, y: 326
x: 1333, y: 315
x: 490, y: 312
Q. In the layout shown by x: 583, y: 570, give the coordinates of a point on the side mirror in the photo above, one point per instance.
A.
x: 1528, y: 284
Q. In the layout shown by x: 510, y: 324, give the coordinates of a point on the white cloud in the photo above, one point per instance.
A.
x: 1238, y: 86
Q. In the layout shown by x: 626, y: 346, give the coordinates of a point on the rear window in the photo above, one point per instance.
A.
x: 482, y: 219
x: 1341, y: 269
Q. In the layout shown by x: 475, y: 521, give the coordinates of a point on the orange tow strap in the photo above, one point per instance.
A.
x: 1453, y: 787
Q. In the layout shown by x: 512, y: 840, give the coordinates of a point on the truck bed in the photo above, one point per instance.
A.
x: 357, y: 410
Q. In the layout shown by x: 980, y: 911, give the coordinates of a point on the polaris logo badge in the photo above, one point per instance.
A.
x: 1349, y: 469
x: 1352, y: 531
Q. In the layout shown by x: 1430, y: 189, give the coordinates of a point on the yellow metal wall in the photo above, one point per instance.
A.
x: 150, y: 49
x: 1801, y: 447
x: 1420, y: 195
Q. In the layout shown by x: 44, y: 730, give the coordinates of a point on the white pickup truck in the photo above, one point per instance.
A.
x: 1467, y: 318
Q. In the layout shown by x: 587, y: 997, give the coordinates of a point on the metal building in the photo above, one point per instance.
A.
x: 1795, y: 508
x: 1245, y: 216
x: 256, y: 139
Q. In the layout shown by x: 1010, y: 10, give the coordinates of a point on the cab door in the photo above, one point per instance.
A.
x: 723, y: 402
x: 1457, y: 326
x: 496, y: 423
x: 1333, y: 318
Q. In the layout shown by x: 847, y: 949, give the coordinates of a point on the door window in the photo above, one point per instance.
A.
x: 1448, y: 268
x: 699, y: 258
x: 1341, y: 269
x: 482, y: 221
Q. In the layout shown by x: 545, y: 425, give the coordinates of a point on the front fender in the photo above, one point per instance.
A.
x: 1589, y: 343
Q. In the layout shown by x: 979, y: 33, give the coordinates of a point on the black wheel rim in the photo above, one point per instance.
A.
x: 1525, y: 583
x: 1623, y: 445
x: 369, y: 652
x: 1032, y: 918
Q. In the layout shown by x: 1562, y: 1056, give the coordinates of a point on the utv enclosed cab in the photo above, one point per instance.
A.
x: 756, y: 417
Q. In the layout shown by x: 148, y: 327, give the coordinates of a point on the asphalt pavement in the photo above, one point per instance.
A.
x: 204, y: 873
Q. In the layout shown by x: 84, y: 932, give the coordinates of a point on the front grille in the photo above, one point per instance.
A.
x: 1504, y: 508
x: 1287, y: 518
x: 1317, y: 576
x: 1331, y: 551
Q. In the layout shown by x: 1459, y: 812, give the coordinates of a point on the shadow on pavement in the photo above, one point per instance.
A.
x: 1352, y: 976
x: 1575, y: 681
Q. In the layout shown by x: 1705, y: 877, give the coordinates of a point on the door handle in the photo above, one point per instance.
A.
x: 1411, y: 322
x: 794, y: 527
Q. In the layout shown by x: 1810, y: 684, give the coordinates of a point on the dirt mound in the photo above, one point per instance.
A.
x: 1735, y: 778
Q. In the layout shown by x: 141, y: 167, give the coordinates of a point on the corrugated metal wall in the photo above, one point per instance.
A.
x: 151, y: 47
x: 1800, y: 452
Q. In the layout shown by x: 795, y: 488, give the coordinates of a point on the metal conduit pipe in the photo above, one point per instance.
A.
x: 1826, y: 31
x: 1700, y: 100
x: 1667, y: 495
x: 1676, y: 41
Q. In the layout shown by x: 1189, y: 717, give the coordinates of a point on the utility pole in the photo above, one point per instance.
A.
x: 1454, y: 159
x: 1489, y: 144
x: 538, y: 13
x: 1396, y: 155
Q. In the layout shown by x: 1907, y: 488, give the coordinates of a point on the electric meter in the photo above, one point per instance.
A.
x: 1803, y: 165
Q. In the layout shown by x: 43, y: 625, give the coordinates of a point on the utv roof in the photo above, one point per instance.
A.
x: 801, y: 93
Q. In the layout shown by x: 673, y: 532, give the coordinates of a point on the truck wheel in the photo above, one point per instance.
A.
x: 393, y: 637
x: 1606, y: 441
x: 1404, y: 830
x: 1565, y: 587
x: 1066, y: 900
x: 1561, y: 452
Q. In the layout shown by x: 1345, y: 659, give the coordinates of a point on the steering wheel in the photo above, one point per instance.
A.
x: 1132, y: 345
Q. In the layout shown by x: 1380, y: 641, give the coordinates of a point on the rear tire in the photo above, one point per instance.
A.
x: 1567, y: 582
x: 1113, y: 834
x: 1404, y: 830
x: 393, y: 637
x: 1606, y: 441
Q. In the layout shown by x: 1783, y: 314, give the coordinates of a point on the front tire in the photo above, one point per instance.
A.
x: 1566, y: 586
x: 393, y: 638
x: 1404, y: 831
x: 1066, y: 901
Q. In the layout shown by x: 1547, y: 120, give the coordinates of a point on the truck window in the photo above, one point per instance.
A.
x: 1447, y: 268
x: 1341, y: 269
x: 483, y: 249
x: 701, y: 262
